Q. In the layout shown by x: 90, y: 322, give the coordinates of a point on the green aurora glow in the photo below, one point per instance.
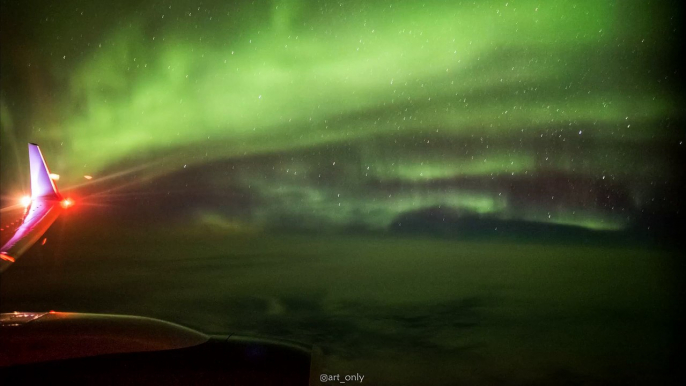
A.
x: 392, y: 91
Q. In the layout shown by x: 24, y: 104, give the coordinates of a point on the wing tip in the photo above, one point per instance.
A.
x: 41, y: 183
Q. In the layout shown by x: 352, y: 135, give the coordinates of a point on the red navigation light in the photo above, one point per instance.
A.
x: 6, y: 257
x: 66, y: 203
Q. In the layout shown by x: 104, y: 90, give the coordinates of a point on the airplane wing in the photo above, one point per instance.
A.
x: 38, y: 348
x: 46, y: 205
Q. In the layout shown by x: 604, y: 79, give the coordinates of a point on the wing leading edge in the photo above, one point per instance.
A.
x: 44, y: 209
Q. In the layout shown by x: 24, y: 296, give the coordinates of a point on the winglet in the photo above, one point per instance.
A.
x: 42, y: 186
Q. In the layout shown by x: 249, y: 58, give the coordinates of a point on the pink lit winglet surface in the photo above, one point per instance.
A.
x: 41, y: 183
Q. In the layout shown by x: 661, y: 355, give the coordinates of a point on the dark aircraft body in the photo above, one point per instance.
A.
x: 113, y: 349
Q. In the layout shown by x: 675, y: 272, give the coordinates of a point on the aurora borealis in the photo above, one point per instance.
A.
x: 356, y: 112
x: 435, y: 192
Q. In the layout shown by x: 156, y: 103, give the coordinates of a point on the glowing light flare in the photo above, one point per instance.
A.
x: 67, y: 203
x: 6, y: 257
x: 54, y: 177
x: 25, y: 201
x: 88, y: 177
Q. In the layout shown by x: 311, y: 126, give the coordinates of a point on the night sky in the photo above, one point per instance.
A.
x: 434, y: 192
x: 352, y: 115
